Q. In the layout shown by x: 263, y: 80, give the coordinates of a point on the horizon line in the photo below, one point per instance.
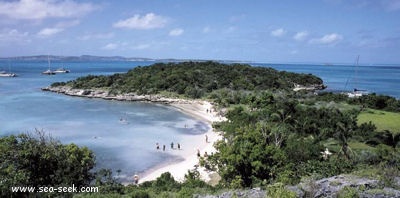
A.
x: 201, y: 59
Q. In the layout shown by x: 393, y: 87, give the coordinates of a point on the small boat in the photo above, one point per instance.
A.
x: 62, y: 70
x: 48, y: 71
x: 5, y: 74
x: 356, y: 92
x: 9, y: 73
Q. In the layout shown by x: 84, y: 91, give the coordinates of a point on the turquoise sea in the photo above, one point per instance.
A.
x: 131, y: 147
x: 380, y: 79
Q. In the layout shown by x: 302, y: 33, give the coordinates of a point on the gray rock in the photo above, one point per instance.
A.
x: 297, y: 190
x: 397, y: 182
x: 330, y: 187
x: 252, y: 193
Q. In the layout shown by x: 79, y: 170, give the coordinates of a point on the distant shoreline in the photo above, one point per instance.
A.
x: 198, y: 109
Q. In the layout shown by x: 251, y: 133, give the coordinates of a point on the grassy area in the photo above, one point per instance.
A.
x: 383, y: 120
x: 341, y: 105
x: 359, y: 146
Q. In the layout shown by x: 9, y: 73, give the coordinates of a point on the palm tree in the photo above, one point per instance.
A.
x: 342, y: 134
x: 280, y: 127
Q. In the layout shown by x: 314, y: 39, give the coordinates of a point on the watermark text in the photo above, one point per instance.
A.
x: 50, y: 189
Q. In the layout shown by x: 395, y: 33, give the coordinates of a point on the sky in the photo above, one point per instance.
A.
x: 272, y: 31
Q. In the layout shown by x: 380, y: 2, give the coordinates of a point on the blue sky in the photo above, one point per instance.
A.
x: 280, y: 31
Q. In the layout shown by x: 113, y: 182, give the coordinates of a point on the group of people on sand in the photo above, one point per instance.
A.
x: 172, y: 146
x: 205, y: 153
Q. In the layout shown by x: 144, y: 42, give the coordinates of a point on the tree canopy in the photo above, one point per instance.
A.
x: 34, y: 160
x: 195, y: 79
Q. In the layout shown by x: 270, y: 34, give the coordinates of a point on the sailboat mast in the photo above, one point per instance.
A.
x: 48, y: 61
x: 356, y: 73
x: 9, y: 67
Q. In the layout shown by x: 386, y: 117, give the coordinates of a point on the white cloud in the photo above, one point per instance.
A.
x: 13, y: 35
x: 176, y: 32
x: 96, y: 36
x: 278, y: 32
x: 41, y: 9
x: 300, y: 36
x: 59, y: 27
x: 49, y: 31
x: 110, y: 46
x: 328, y: 39
x: 148, y: 21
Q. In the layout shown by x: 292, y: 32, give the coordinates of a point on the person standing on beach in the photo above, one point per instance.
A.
x: 157, y: 146
x: 163, y: 148
x: 179, y: 146
x: 172, y: 145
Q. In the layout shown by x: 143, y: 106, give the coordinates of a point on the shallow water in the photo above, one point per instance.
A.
x: 128, y: 146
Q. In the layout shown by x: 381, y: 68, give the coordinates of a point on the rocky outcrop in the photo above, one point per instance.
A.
x: 104, y: 94
x: 330, y: 187
x: 327, y: 187
x: 251, y: 193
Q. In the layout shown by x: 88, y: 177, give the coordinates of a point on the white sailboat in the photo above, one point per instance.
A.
x: 356, y: 91
x: 48, y: 71
x: 8, y: 74
x: 62, y: 70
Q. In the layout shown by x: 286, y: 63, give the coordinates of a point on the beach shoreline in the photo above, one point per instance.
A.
x: 200, y: 110
x: 187, y: 156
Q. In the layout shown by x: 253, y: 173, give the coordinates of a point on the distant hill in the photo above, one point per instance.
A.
x: 105, y: 58
x: 76, y: 58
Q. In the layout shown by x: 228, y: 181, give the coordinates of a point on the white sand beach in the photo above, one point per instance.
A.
x: 201, y: 111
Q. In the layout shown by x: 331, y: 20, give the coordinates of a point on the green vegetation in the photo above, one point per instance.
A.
x: 279, y: 190
x: 348, y: 192
x: 273, y: 136
x: 194, y: 79
x: 383, y: 120
x: 38, y: 160
x: 373, y: 101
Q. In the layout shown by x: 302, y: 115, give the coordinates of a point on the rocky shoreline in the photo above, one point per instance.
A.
x: 316, y: 87
x: 105, y: 94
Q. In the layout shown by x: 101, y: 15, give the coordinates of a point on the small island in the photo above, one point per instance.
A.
x: 192, y: 80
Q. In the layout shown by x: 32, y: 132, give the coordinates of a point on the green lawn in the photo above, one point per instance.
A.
x: 359, y: 146
x: 383, y: 120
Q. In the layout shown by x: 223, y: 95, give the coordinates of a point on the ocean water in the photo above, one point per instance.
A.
x: 95, y: 123
x: 380, y: 79
x: 131, y: 147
